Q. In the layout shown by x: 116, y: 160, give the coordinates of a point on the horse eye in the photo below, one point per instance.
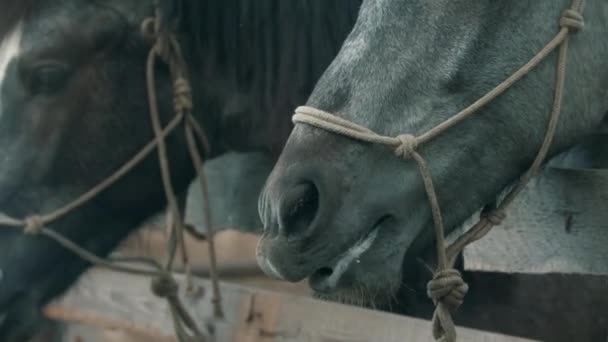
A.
x: 48, y: 78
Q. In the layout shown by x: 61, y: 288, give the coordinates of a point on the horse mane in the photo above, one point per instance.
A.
x: 272, y: 50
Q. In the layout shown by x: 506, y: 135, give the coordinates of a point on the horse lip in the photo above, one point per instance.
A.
x: 269, y: 268
x: 366, y: 241
x: 353, y: 254
x: 266, y: 265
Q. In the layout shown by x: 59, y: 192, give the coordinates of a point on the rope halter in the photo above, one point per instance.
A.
x: 33, y: 225
x: 447, y: 288
x: 572, y: 20
x: 407, y: 146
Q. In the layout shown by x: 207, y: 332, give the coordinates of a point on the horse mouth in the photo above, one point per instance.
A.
x: 343, y: 263
x: 354, y: 253
x: 337, y: 266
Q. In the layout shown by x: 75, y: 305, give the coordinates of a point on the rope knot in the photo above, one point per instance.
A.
x: 407, y: 146
x: 494, y: 217
x: 572, y: 20
x: 447, y: 287
x: 151, y: 32
x: 182, y: 95
x: 33, y: 225
x: 164, y: 286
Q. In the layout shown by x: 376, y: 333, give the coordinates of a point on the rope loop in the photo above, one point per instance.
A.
x: 494, y: 217
x: 162, y: 41
x: 164, y: 286
x: 572, y: 20
x: 33, y: 225
x: 407, y: 146
x: 448, y: 288
x: 149, y: 29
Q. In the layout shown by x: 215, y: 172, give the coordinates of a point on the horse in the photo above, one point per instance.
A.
x: 356, y: 221
x: 73, y: 109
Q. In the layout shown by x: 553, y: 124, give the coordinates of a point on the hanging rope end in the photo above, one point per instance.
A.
x: 447, y: 289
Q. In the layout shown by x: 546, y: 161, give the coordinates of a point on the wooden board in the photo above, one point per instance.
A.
x: 558, y: 224
x: 119, y: 301
x: 235, y: 254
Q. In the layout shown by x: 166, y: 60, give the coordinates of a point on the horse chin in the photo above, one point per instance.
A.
x: 359, y: 296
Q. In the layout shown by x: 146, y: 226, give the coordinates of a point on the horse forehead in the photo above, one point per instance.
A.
x: 10, y: 47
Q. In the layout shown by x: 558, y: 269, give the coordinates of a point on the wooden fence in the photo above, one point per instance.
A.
x: 108, y: 300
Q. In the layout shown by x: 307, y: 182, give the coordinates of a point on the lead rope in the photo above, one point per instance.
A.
x: 167, y: 48
x: 447, y: 288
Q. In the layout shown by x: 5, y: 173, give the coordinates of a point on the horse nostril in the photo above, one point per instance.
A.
x: 299, y: 208
x: 324, y: 272
x: 322, y: 280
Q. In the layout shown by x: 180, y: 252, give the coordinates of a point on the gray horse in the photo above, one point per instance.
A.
x: 352, y: 218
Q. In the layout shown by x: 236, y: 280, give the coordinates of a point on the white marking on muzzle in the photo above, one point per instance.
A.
x: 352, y: 254
x: 266, y: 265
x: 272, y: 269
x: 10, y: 47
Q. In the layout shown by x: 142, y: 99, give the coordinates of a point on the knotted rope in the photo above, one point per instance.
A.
x: 447, y: 288
x: 33, y: 225
x: 166, y: 47
x: 164, y: 286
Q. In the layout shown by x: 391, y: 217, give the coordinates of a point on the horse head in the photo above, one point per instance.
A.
x: 347, y: 214
x: 73, y: 109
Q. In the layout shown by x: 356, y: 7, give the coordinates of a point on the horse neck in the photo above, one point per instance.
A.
x: 585, y: 103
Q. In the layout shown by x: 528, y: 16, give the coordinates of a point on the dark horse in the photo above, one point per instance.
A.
x: 73, y: 108
x: 406, y: 67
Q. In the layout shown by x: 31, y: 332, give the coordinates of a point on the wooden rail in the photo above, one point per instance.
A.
x: 105, y: 299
